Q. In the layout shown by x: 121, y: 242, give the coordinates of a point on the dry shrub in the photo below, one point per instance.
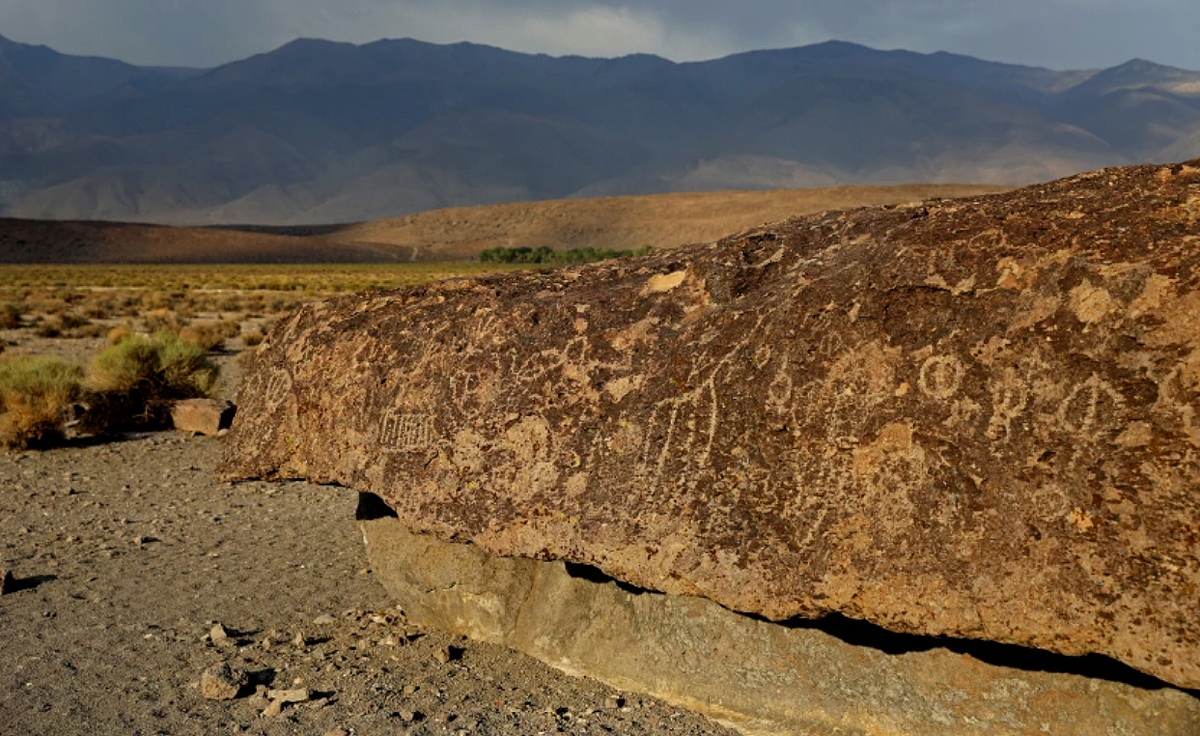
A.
x: 67, y: 325
x: 51, y: 326
x: 253, y: 338
x: 10, y: 316
x: 231, y: 327
x: 163, y: 320
x: 119, y: 333
x: 208, y: 336
x: 102, y: 309
x: 136, y: 381
x: 35, y: 392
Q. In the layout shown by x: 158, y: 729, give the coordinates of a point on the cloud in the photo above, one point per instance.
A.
x: 1055, y: 33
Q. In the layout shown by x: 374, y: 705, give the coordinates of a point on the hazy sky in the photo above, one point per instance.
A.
x: 1056, y: 33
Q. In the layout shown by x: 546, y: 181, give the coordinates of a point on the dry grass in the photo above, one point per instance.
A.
x: 35, y: 393
x: 206, y: 304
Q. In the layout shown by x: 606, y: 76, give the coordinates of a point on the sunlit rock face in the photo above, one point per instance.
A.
x: 975, y: 418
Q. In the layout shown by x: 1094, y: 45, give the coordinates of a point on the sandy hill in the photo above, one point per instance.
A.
x: 662, y: 221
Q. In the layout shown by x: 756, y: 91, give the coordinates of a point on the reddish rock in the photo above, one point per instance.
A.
x: 206, y: 416
x: 977, y: 418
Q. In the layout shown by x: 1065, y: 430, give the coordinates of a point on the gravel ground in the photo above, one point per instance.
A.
x: 127, y: 555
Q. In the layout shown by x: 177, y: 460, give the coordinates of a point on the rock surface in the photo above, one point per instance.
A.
x: 754, y: 675
x: 206, y: 416
x: 976, y: 418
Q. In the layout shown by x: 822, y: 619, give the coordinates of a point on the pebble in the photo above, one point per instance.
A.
x: 222, y: 682
x: 614, y: 702
x: 7, y: 582
x: 296, y: 695
x: 274, y: 708
x: 324, y: 620
x: 219, y: 636
x: 443, y: 655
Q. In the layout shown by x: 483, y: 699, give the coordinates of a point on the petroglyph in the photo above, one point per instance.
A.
x: 1002, y: 443
x: 405, y: 432
x: 1091, y: 409
x: 941, y: 376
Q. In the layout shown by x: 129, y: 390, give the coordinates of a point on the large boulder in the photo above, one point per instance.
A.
x: 976, y: 418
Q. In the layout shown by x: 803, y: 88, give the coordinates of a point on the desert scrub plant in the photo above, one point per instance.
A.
x: 35, y: 393
x: 119, y: 333
x: 162, y: 320
x: 134, y: 383
x: 253, y: 338
x: 10, y: 316
x: 208, y: 336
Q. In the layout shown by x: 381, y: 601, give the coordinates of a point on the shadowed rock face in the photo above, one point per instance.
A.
x: 976, y: 418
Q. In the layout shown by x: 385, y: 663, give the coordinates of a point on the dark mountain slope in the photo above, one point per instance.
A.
x: 322, y: 131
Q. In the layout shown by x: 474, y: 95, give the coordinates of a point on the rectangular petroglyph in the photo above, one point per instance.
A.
x: 406, y: 432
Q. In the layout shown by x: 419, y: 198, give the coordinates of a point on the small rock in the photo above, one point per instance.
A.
x: 297, y: 695
x: 299, y: 640
x: 274, y: 708
x: 222, y: 682
x: 613, y: 702
x: 324, y: 620
x: 443, y: 655
x: 7, y: 582
x: 205, y: 416
x: 219, y: 636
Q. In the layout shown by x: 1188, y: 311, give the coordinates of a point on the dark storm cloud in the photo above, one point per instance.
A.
x: 1055, y: 33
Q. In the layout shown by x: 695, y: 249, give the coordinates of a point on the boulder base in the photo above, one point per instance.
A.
x: 754, y: 675
x: 976, y: 418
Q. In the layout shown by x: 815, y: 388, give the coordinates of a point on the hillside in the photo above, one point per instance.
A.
x: 35, y: 241
x: 663, y: 221
x: 318, y: 131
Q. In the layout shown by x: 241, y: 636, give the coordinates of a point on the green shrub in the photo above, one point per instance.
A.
x: 35, y: 392
x: 547, y: 255
x: 135, y: 381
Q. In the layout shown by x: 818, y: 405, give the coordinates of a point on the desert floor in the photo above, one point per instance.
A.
x: 128, y: 552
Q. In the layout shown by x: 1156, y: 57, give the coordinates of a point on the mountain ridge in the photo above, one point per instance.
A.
x: 319, y: 131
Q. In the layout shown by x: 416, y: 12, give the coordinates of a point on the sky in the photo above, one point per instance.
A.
x: 1060, y: 34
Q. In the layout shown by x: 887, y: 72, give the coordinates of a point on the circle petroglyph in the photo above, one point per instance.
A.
x: 941, y: 376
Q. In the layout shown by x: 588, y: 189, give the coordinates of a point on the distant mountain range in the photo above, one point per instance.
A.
x: 318, y: 131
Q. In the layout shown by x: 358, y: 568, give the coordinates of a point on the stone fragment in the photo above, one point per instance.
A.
x: 443, y: 654
x: 294, y: 695
x: 759, y: 676
x: 8, y: 583
x: 324, y: 620
x: 219, y: 636
x: 222, y: 682
x: 972, y: 418
x: 274, y: 708
x: 206, y: 416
